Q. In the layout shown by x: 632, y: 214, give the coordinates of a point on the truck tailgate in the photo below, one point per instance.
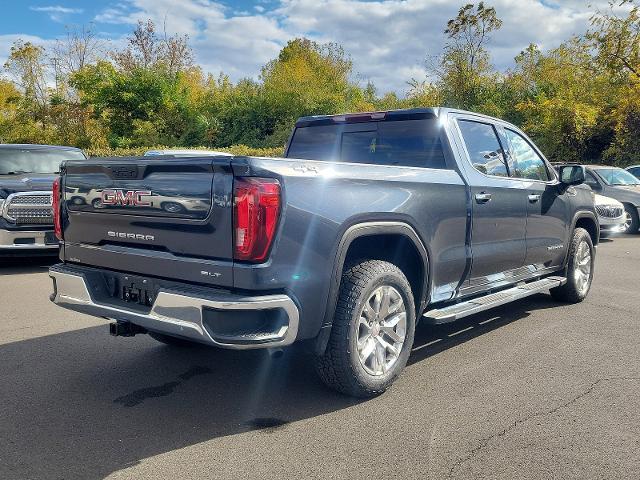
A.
x: 168, y: 217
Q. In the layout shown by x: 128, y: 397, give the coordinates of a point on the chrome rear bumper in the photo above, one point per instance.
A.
x: 36, y: 240
x: 180, y: 314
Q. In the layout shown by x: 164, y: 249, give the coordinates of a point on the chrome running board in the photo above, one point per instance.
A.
x: 479, y: 304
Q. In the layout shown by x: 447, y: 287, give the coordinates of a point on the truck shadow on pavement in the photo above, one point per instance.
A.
x: 21, y: 265
x: 82, y: 404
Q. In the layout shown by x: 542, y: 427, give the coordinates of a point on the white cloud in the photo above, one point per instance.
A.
x: 391, y: 38
x: 57, y: 13
x: 388, y: 40
x: 235, y: 44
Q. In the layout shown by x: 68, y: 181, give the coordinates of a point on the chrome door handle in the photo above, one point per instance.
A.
x: 483, y: 197
x: 533, y: 198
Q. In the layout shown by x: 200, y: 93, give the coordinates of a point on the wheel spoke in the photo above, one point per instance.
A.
x: 363, y: 324
x: 380, y: 357
x: 389, y: 327
x: 384, y: 345
x: 368, y: 311
x: 384, y: 305
x: 392, y: 334
x: 368, y: 347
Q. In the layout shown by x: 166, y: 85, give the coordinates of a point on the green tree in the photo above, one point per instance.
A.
x: 307, y: 78
x: 26, y: 65
x: 616, y: 37
x: 464, y: 73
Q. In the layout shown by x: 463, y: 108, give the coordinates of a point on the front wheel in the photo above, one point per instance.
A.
x: 579, y: 269
x: 631, y: 221
x: 372, y: 331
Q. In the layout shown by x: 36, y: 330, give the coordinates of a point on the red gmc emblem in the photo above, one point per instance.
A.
x: 129, y: 198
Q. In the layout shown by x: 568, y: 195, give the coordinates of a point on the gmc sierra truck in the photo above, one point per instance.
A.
x: 26, y: 175
x: 371, y: 222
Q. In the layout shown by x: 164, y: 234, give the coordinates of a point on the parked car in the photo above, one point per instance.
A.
x: 611, y: 215
x: 27, y: 173
x: 370, y: 223
x: 634, y: 170
x: 186, y: 153
x: 615, y: 182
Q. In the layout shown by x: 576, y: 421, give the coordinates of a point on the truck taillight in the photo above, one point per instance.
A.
x: 55, y: 205
x: 256, y: 209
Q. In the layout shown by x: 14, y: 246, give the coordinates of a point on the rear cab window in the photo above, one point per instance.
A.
x: 403, y: 142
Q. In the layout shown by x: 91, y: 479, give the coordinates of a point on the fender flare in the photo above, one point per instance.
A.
x: 577, y: 216
x: 585, y: 214
x: 352, y: 233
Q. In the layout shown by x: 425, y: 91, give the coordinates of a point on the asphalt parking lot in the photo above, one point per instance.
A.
x: 531, y: 390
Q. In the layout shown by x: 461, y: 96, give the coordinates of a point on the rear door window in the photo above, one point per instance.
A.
x: 483, y: 146
x: 414, y: 143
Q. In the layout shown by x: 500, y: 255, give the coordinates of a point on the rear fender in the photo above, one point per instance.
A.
x: 361, y: 230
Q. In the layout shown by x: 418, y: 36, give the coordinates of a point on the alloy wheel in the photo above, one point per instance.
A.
x: 582, y: 267
x: 382, y: 328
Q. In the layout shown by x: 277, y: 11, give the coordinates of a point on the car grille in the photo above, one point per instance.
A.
x: 29, y: 209
x: 608, y: 211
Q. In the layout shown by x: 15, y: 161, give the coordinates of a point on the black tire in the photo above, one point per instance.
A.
x: 632, y: 214
x: 574, y: 291
x: 169, y: 340
x: 340, y: 366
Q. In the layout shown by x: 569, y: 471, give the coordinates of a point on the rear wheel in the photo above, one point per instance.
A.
x: 579, y: 269
x: 631, y: 222
x: 372, y: 331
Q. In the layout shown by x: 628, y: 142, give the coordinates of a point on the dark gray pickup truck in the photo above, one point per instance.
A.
x: 372, y: 222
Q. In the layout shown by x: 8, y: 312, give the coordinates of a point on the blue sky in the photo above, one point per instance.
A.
x: 45, y: 18
x: 387, y: 39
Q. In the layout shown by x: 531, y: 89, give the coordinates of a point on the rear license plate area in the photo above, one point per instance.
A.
x: 138, y: 291
x: 131, y: 289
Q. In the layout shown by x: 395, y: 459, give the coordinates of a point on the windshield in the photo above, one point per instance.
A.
x: 617, y: 176
x: 14, y: 161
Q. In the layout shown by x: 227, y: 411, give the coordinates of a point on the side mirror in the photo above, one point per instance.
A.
x: 572, y: 174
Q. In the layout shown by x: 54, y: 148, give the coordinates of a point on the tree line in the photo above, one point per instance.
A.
x: 580, y: 101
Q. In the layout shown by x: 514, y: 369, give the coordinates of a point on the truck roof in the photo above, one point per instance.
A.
x: 421, y: 112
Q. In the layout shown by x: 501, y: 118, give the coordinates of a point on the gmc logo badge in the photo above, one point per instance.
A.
x: 130, y: 198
